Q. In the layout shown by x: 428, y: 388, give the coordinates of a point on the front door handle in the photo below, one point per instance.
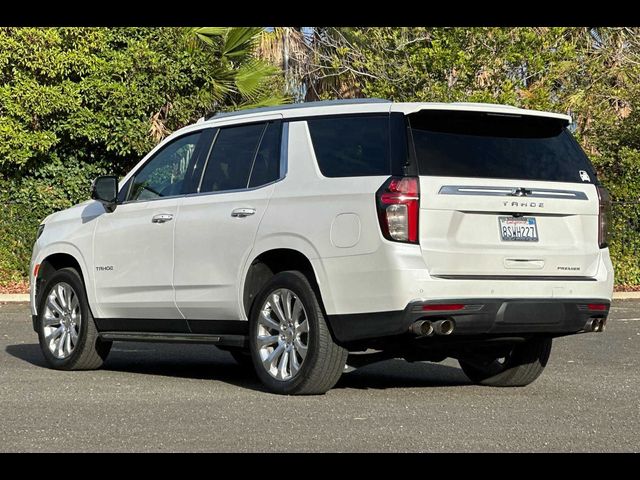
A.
x: 243, y: 212
x: 162, y: 218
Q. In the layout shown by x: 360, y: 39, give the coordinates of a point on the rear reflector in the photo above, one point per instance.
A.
x: 36, y: 269
x: 443, y: 307
x: 597, y: 306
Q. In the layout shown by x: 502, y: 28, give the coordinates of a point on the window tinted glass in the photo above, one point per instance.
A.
x: 469, y: 144
x: 266, y: 167
x: 351, y: 146
x: 163, y: 175
x: 231, y: 158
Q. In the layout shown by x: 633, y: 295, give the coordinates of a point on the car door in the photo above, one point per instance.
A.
x: 133, y: 246
x: 217, y: 225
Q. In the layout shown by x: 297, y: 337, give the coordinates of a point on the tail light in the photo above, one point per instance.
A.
x: 604, y: 206
x: 398, y: 202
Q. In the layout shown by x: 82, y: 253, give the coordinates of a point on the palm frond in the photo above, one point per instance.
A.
x: 240, y: 40
x: 251, y: 77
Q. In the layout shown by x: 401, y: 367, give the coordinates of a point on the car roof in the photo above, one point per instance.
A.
x: 374, y: 105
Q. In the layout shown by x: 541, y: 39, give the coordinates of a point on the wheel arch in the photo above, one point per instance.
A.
x: 57, y: 258
x: 267, y: 263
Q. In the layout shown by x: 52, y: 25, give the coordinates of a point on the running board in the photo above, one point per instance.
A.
x: 226, y: 340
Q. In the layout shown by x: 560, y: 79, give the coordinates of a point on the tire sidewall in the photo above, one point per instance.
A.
x: 307, y: 296
x: 69, y: 276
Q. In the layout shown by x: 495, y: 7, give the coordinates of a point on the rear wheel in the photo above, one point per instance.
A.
x: 66, y: 330
x: 517, y: 368
x: 291, y: 346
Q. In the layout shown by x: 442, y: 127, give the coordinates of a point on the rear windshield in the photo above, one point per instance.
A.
x: 486, y: 145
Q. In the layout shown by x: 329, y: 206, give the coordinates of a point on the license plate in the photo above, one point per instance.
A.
x: 521, y: 229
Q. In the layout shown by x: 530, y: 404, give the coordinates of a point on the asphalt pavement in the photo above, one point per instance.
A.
x: 160, y: 397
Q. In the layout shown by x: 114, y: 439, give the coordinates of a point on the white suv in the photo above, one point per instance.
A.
x: 311, y: 238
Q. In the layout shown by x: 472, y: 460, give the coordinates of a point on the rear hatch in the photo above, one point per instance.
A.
x: 504, y: 196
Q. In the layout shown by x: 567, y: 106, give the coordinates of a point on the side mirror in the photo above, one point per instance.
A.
x: 105, y: 190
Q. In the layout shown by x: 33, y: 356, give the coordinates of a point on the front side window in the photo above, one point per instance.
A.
x: 164, y: 174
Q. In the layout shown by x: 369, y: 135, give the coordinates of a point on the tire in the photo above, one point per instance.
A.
x: 323, y: 361
x: 87, y: 351
x: 520, y: 367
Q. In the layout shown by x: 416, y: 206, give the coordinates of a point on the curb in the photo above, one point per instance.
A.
x: 626, y: 295
x: 14, y: 297
x: 24, y: 297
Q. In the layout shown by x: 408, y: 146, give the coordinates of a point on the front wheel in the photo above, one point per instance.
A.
x: 291, y: 346
x: 66, y: 330
x: 519, y: 367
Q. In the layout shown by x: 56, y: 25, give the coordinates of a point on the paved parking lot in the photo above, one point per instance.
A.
x: 195, y: 398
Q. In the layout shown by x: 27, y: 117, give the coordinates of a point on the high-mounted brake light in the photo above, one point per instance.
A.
x: 398, y: 202
x: 604, y: 205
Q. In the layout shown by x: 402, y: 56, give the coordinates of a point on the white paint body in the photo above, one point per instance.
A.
x: 194, y: 266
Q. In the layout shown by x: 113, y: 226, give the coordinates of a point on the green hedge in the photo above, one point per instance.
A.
x: 27, y: 201
x: 624, y: 246
x: 25, y: 205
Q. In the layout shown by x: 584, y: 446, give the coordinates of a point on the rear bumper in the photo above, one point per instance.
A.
x: 476, y: 317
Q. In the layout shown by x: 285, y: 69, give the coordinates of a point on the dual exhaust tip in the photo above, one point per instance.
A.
x: 595, y: 325
x: 426, y: 328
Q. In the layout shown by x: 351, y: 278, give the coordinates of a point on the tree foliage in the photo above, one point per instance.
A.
x: 78, y: 102
x: 107, y: 95
x: 591, y: 73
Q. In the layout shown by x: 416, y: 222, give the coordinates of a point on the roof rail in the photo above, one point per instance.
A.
x: 292, y: 106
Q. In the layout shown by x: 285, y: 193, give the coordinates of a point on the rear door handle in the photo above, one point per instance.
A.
x: 162, y: 218
x: 243, y: 212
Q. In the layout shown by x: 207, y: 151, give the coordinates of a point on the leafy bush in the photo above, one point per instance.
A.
x: 79, y: 102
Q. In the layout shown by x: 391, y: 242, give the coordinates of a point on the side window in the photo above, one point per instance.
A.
x: 231, y: 158
x: 351, y: 146
x: 266, y: 166
x: 164, y: 174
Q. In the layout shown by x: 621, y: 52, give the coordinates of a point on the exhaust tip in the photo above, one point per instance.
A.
x: 444, y: 327
x: 422, y: 328
x: 595, y: 325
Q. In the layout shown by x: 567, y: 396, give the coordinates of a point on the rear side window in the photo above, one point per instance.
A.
x: 231, y: 158
x: 485, y: 145
x: 351, y: 146
x: 266, y: 167
x: 243, y: 157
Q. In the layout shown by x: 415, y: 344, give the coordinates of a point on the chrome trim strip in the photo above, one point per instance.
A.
x: 545, y: 278
x: 510, y: 192
x: 284, y: 151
